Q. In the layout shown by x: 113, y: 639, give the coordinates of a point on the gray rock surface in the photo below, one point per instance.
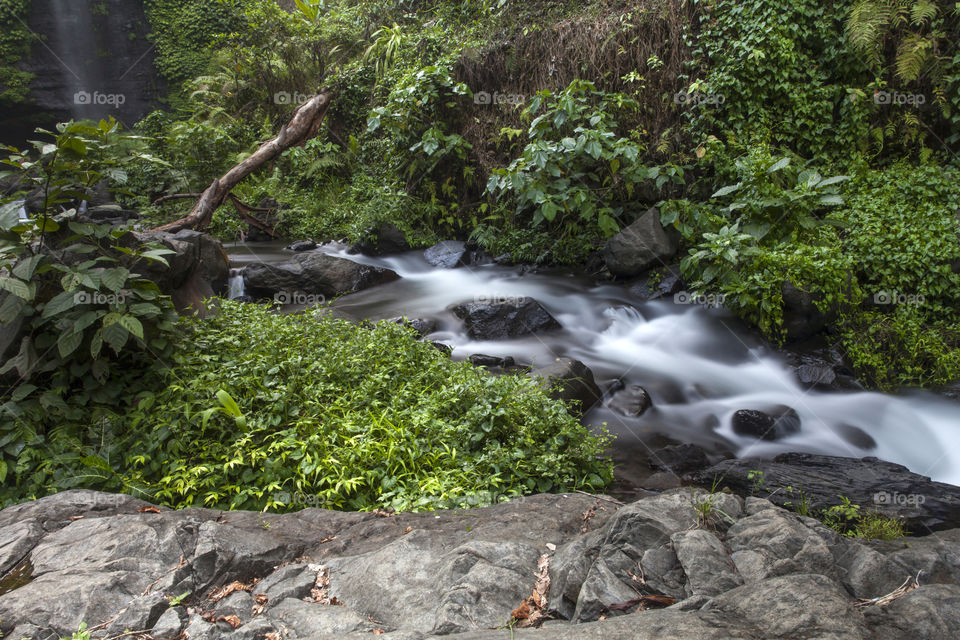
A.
x: 876, y: 485
x: 734, y: 568
x: 642, y: 245
x: 312, y: 273
x: 506, y: 318
x: 571, y: 381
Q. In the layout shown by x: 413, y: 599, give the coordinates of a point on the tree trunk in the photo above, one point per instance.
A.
x: 303, y: 125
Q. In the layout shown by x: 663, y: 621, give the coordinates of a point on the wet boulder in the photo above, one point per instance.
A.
x: 875, y: 485
x: 570, y: 380
x: 504, y: 318
x: 774, y: 424
x: 312, y: 274
x: 642, y: 245
x: 628, y: 399
x: 386, y: 239
x: 302, y: 245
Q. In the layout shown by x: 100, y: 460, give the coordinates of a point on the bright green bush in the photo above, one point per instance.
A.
x: 280, y: 412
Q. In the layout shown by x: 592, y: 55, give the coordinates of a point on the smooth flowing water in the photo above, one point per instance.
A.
x: 698, y: 365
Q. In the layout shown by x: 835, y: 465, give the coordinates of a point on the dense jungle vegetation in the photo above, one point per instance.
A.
x: 801, y: 141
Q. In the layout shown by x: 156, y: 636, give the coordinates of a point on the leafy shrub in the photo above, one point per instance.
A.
x: 575, y: 171
x: 355, y: 417
x: 269, y: 411
x: 83, y: 319
x: 784, y: 68
x: 775, y: 229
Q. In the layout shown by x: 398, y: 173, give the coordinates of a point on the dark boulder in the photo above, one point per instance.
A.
x: 198, y: 267
x: 454, y: 253
x: 447, y: 254
x: 570, y: 380
x: 483, y: 360
x: 423, y: 326
x: 773, y: 424
x: 387, y: 239
x: 311, y: 273
x: 302, y: 245
x: 875, y: 485
x: 628, y: 399
x: 667, y: 284
x: 504, y: 318
x: 642, y: 245
x: 802, y: 318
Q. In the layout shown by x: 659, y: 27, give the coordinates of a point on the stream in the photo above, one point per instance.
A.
x: 698, y: 365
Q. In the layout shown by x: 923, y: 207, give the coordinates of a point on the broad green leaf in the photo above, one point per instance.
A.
x: 229, y: 404
x: 17, y: 287
x: 63, y: 301
x: 132, y: 325
x: 778, y: 165
x: 116, y: 336
x: 115, y: 278
x: 726, y: 190
x: 68, y: 343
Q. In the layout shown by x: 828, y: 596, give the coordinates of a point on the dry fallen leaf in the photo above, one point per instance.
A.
x: 148, y: 510
x: 260, y: 602
x: 551, y: 546
x: 222, y: 592
x: 532, y: 611
x: 407, y: 530
x: 272, y: 636
x: 76, y: 517
x: 522, y: 612
x: 231, y: 620
x: 378, y: 632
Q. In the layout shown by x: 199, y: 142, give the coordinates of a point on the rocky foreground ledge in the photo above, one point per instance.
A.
x: 663, y: 567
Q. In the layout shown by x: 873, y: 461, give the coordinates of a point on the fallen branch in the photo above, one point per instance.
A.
x: 304, y: 125
x: 909, y: 585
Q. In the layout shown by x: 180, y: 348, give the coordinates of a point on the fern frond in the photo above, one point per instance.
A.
x: 913, y: 54
x: 923, y: 11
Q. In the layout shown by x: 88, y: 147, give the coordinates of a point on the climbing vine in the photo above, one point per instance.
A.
x: 14, y: 46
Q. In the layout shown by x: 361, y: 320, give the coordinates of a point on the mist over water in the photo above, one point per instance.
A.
x: 698, y: 365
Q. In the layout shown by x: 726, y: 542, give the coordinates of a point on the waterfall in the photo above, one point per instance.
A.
x: 235, y: 284
x: 82, y: 67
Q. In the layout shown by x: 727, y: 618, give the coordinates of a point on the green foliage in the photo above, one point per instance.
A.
x: 775, y: 229
x: 15, y: 38
x: 419, y: 117
x: 781, y: 67
x: 353, y: 417
x: 852, y: 521
x: 575, y: 170
x: 902, y: 233
x: 84, y: 318
x: 183, y: 32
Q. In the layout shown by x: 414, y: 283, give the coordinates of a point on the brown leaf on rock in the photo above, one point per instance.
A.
x: 522, y: 612
x: 260, y: 603
x: 222, y: 592
x: 148, y: 510
x: 231, y: 620
x: 378, y: 632
x: 532, y: 611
